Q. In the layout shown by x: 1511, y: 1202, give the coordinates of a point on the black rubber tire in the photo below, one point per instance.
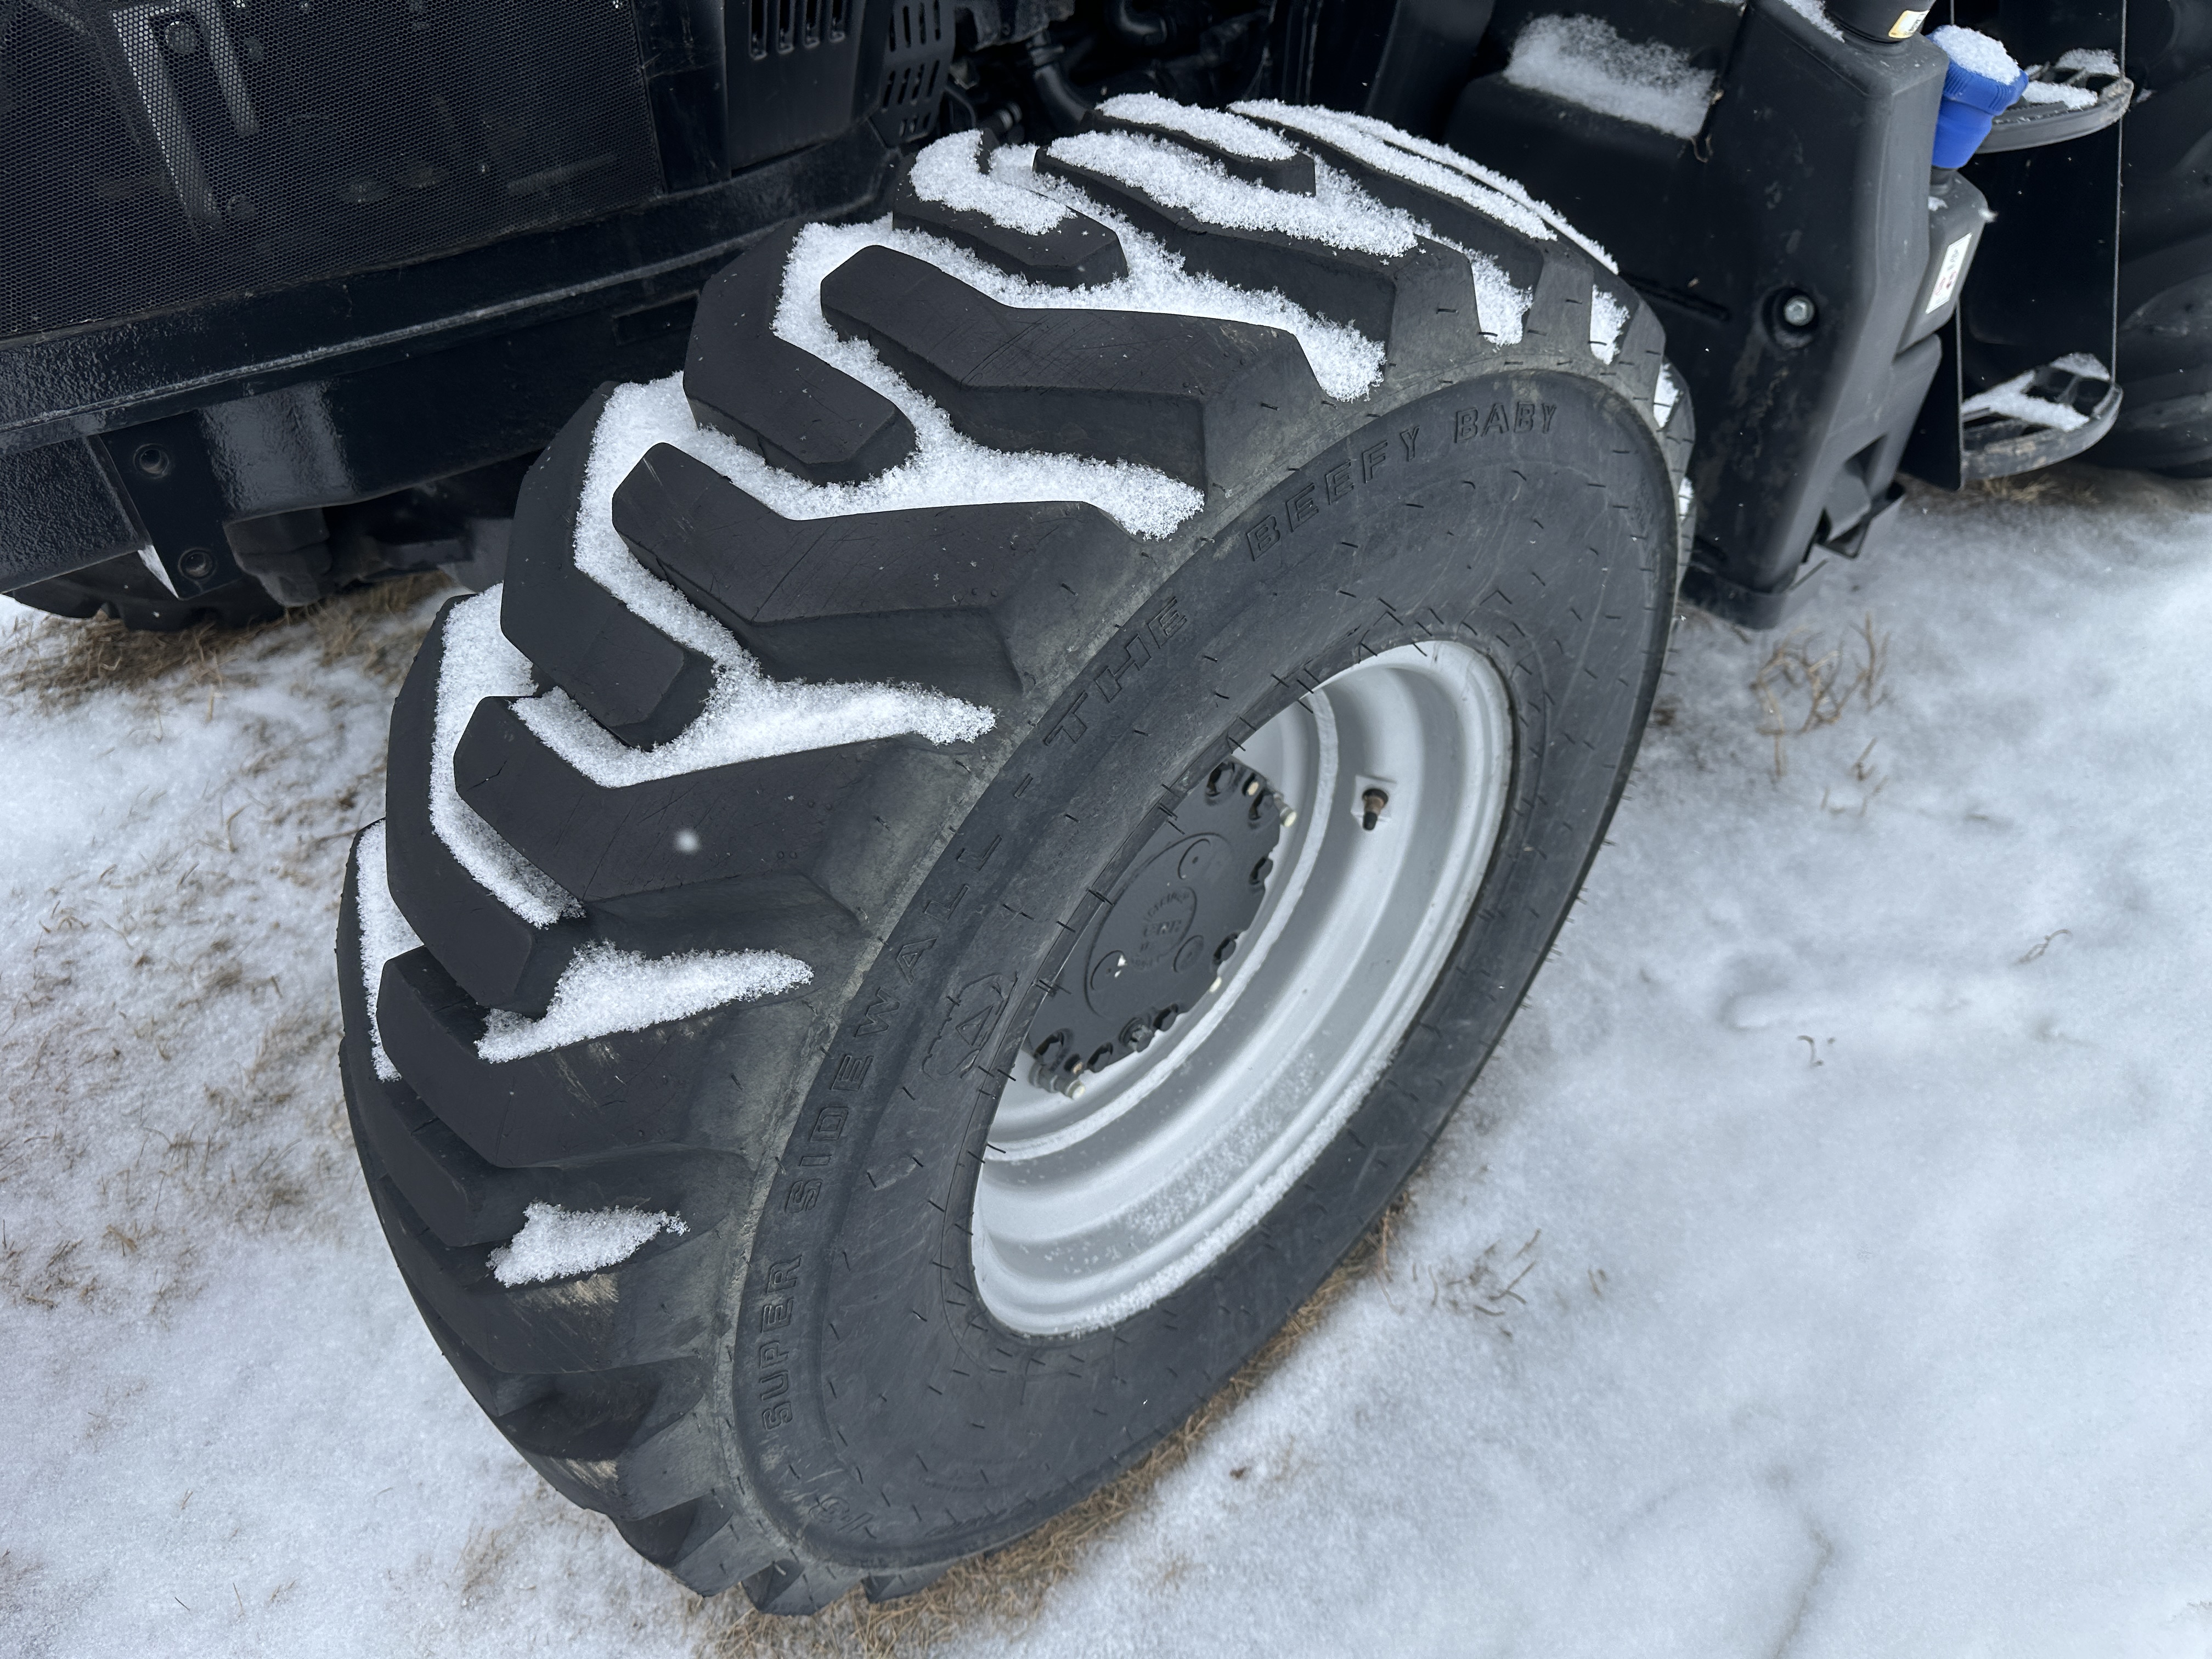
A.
x: 803, y: 1392
x: 2164, y: 338
x: 123, y: 588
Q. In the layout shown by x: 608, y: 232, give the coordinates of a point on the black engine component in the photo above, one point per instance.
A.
x: 331, y: 255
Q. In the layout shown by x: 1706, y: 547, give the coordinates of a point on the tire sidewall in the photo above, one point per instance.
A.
x: 884, y: 1417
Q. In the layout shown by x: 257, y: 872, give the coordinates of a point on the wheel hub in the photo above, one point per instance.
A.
x: 1088, y: 1209
x: 1166, y: 939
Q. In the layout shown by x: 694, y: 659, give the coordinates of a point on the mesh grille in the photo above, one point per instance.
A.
x: 153, y: 155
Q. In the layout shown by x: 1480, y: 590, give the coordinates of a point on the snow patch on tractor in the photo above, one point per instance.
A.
x: 1817, y: 14
x: 950, y: 173
x: 1665, y: 395
x: 2013, y: 400
x: 1224, y: 131
x: 1346, y: 363
x: 384, y: 934
x: 1338, y: 214
x: 479, y: 663
x: 1584, y: 61
x: 1976, y: 53
x: 1608, y: 316
x: 558, y: 1243
x: 604, y: 990
x: 1431, y: 165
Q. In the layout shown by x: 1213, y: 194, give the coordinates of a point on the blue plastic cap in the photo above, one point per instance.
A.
x: 1971, y: 102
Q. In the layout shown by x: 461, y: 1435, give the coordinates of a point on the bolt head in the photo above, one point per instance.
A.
x: 180, y: 37
x: 197, y: 562
x: 1798, y: 311
x: 152, y: 459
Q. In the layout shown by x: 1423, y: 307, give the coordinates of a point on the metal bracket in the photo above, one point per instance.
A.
x: 164, y: 468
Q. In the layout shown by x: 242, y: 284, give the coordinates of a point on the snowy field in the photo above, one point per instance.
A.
x: 1823, y: 1267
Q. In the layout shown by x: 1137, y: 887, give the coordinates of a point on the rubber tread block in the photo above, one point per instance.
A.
x: 650, y: 1474
x: 794, y: 410
x: 729, y: 1555
x: 889, y: 1586
x: 1076, y: 253
x: 591, y: 1419
x: 1641, y: 351
x: 462, y: 1198
x: 904, y: 596
x: 1191, y: 396
x: 1447, y: 214
x: 1559, y: 310
x: 757, y: 817
x: 634, y: 679
x: 667, y: 1084
x: 799, y: 1587
x: 503, y: 961
x: 1294, y: 173
x: 1396, y: 299
x: 634, y: 1313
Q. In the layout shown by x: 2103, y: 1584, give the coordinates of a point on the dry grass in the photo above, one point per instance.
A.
x: 60, y: 665
x: 1007, y: 1590
x: 1489, y: 1286
x: 167, y: 1027
x: 1805, y: 685
x: 2066, y: 485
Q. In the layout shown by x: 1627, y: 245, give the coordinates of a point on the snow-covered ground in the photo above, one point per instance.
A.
x: 1823, y: 1267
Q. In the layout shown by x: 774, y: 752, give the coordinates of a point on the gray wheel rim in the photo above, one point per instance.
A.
x: 1089, y: 1210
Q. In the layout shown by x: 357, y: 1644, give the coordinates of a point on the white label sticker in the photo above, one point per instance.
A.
x: 1907, y: 24
x: 1947, y: 279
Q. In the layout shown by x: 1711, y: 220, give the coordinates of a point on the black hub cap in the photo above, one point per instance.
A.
x: 1166, y: 938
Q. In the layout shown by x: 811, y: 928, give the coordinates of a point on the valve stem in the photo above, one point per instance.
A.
x: 1371, y: 808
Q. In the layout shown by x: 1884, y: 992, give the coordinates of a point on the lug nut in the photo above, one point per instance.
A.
x: 1137, y: 1033
x: 1799, y: 311
x: 1371, y: 808
x: 1289, y: 817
